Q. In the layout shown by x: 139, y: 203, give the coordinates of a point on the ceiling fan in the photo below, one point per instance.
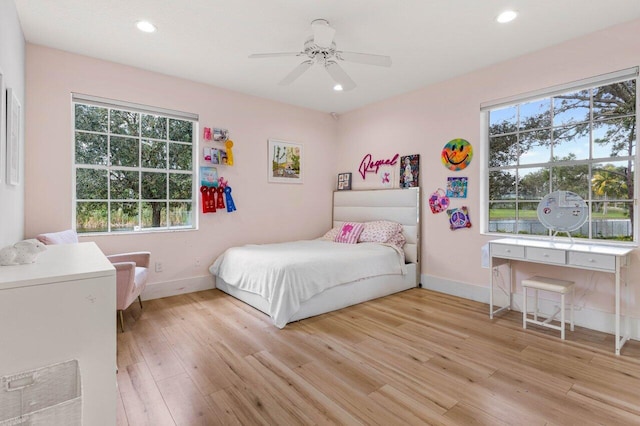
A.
x: 321, y: 49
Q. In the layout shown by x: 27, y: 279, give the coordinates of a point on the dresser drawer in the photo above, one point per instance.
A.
x: 545, y: 255
x: 508, y: 251
x: 604, y: 262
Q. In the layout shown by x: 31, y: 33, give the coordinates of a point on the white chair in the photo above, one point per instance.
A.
x: 561, y: 287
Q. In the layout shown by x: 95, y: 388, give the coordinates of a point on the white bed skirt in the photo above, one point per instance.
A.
x: 334, y: 298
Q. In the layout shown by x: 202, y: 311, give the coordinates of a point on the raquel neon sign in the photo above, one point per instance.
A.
x: 367, y: 165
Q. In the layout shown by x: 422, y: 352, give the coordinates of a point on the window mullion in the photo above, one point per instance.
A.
x: 140, y: 182
x: 108, y: 172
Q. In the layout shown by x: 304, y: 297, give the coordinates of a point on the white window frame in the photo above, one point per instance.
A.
x: 77, y: 98
x: 486, y: 107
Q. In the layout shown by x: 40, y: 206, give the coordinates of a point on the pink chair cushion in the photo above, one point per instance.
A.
x: 63, y: 237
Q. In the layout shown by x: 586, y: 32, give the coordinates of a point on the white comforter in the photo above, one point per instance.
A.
x: 287, y: 274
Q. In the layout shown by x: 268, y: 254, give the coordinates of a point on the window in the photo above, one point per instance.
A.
x: 133, y: 167
x: 580, y: 138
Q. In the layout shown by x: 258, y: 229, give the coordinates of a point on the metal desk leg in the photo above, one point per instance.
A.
x: 491, y: 272
x: 617, y: 319
x: 492, y: 266
x: 620, y: 338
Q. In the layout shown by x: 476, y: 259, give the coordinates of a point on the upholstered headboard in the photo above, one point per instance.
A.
x: 398, y: 205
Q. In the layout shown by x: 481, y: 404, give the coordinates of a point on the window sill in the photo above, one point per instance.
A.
x: 140, y: 232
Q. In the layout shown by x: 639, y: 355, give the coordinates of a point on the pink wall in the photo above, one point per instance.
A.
x: 12, y: 64
x: 266, y: 212
x: 422, y: 122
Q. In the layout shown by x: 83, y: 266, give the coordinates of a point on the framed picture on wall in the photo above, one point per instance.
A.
x: 344, y: 181
x: 14, y: 114
x: 386, y: 174
x: 208, y: 176
x: 457, y: 187
x: 285, y: 162
x: 410, y: 171
x: 220, y: 135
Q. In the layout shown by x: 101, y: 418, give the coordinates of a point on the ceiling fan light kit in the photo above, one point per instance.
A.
x: 322, y: 33
x: 321, y: 49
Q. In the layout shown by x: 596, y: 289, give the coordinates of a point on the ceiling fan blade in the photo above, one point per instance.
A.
x: 297, y: 72
x: 339, y: 76
x: 275, y: 55
x: 322, y: 33
x: 365, y: 58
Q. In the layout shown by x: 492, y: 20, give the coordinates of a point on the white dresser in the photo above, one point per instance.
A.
x: 63, y: 307
x: 595, y: 257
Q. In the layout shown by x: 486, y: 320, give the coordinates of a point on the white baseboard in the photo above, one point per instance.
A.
x: 173, y: 288
x: 584, y: 317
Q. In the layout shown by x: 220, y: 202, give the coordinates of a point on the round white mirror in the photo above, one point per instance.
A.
x: 562, y: 211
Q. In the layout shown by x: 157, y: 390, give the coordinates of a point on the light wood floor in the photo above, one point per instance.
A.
x: 417, y: 357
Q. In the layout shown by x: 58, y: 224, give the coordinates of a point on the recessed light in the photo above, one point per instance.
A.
x: 507, y: 16
x: 146, y: 26
x: 338, y: 87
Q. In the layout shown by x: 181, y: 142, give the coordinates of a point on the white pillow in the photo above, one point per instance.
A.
x: 63, y: 237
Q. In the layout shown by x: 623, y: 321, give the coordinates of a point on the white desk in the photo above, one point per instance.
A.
x: 594, y: 257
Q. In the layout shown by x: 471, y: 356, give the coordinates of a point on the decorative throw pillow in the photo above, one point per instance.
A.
x: 349, y: 232
x: 63, y: 237
x: 379, y: 231
x: 397, y: 240
x: 331, y: 234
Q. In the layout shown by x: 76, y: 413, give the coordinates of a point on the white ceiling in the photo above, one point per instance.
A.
x: 209, y: 40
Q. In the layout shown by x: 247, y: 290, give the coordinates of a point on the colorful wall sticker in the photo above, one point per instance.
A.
x: 457, y: 154
x: 459, y: 218
x: 438, y: 201
x: 457, y: 187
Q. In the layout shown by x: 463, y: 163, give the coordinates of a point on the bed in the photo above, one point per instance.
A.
x: 308, y: 293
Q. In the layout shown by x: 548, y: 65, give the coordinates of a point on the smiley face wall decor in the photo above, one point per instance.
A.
x: 457, y: 154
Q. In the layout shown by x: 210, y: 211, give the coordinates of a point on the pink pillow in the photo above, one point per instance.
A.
x: 349, y: 232
x: 379, y: 231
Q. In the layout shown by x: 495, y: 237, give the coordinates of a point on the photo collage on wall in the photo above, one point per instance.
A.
x: 215, y: 190
x: 219, y: 152
x: 215, y: 155
x: 344, y: 181
x: 456, y: 156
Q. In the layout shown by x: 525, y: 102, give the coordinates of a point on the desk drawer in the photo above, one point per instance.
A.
x: 545, y: 255
x: 604, y: 262
x: 508, y: 251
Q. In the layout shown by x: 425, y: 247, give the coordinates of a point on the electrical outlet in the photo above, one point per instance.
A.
x: 197, y: 263
x: 159, y: 267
